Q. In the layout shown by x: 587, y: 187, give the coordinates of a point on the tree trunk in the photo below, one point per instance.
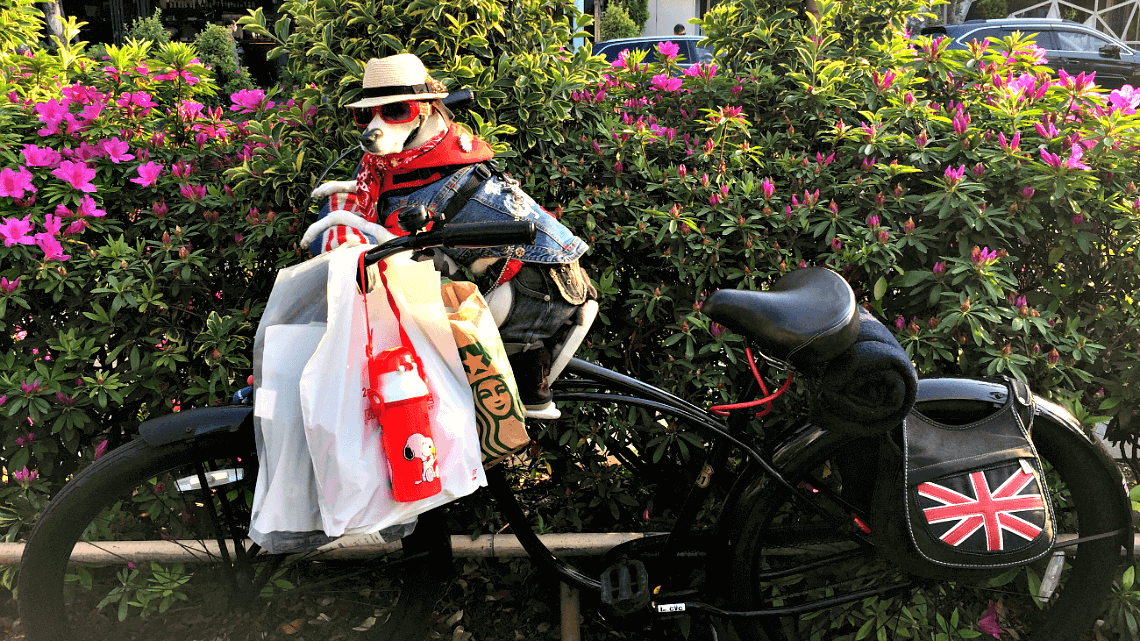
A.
x: 53, y: 18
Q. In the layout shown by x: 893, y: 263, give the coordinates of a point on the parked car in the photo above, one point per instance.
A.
x: 688, y: 55
x: 1068, y: 45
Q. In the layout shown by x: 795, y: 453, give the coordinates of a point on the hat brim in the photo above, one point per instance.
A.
x: 387, y: 100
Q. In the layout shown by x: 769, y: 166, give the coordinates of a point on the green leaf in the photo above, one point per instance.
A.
x: 880, y: 288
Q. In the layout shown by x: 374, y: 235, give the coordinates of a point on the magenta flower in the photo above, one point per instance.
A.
x: 952, y: 177
x: 52, y: 224
x: 682, y: 171
x: 883, y: 82
x: 40, y: 156
x: 100, y: 450
x: 622, y: 61
x: 51, y: 247
x: 1027, y: 192
x: 88, y: 152
x: 983, y: 257
x: 14, y: 231
x: 1074, y: 161
x: 88, y: 207
x: 8, y: 287
x: 836, y: 244
x: 117, y: 150
x: 24, y: 477
x: 30, y: 388
x: 76, y: 174
x: 16, y: 183
x: 1010, y: 147
x: 148, y: 174
x: 668, y: 50
x: 195, y: 193
x: 961, y: 121
x: 768, y: 188
x: 989, y: 624
x: 664, y: 82
x: 1046, y: 129
x: 873, y: 222
x: 939, y: 268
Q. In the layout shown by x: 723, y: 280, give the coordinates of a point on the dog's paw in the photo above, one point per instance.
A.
x: 334, y: 187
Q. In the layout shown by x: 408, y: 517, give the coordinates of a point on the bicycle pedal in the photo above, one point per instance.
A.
x: 625, y: 587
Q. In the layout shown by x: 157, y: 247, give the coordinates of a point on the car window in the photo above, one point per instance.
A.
x: 993, y: 33
x: 1079, y: 41
x: 613, y: 51
x: 704, y: 54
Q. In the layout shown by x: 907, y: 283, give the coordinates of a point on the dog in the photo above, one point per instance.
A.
x: 416, y: 155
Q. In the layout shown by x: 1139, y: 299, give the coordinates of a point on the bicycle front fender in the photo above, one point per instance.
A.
x: 189, y: 424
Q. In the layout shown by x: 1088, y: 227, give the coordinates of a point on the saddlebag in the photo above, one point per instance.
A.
x: 964, y: 497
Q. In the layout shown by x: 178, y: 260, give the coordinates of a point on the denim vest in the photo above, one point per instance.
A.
x: 497, y: 199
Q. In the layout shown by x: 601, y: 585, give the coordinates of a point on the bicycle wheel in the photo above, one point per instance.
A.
x: 152, y: 495
x: 779, y: 534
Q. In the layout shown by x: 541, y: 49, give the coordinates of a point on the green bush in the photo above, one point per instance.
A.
x: 149, y: 28
x: 993, y: 8
x: 983, y: 208
x: 216, y: 50
x: 616, y: 23
x: 132, y: 278
x: 638, y: 11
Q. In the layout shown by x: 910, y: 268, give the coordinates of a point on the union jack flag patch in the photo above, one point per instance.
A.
x: 985, y: 511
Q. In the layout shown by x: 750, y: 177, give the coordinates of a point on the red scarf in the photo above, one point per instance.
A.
x: 378, y: 174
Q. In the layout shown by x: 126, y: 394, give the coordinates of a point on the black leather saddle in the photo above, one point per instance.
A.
x: 807, y: 317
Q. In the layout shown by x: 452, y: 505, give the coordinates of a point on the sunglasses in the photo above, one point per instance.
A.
x: 395, y: 113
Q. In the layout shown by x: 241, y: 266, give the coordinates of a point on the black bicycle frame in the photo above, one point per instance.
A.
x: 723, y: 434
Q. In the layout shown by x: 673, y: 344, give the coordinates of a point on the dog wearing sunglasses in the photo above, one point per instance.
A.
x: 417, y: 156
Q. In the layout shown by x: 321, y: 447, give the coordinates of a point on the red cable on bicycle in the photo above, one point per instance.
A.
x: 723, y: 410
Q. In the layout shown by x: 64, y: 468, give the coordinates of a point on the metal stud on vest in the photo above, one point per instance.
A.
x: 402, y: 409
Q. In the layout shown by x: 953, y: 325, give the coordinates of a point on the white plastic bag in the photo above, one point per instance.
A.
x: 354, y: 492
x: 286, y: 516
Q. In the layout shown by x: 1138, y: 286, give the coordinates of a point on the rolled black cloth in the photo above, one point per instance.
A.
x: 869, y: 388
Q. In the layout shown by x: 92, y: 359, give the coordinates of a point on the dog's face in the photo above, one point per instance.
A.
x: 383, y: 136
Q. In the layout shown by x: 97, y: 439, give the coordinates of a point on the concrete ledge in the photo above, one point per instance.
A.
x: 350, y: 547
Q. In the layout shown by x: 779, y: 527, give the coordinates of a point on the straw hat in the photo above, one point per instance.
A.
x: 397, y: 78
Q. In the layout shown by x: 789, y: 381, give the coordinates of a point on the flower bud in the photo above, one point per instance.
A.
x: 183, y: 253
x: 966, y: 305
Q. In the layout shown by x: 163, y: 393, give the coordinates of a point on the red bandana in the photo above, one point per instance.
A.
x: 379, y: 174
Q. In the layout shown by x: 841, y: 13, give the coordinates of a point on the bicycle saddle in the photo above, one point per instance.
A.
x: 807, y: 317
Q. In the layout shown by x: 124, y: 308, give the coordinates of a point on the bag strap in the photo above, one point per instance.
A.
x: 405, y: 340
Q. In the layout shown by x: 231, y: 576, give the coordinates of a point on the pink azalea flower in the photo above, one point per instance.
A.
x: 1124, y: 100
x: 76, y: 227
x: 40, y: 156
x: 989, y: 623
x: 117, y: 150
x: 52, y: 224
x: 1053, y: 160
x: 668, y: 50
x: 76, y: 174
x: 88, y: 207
x: 1074, y: 161
x: 51, y: 247
x: 248, y: 101
x: 664, y: 82
x: 88, y: 152
x: 16, y: 183
x: 14, y: 231
x: 148, y: 174
x: 193, y: 193
x: 1047, y: 130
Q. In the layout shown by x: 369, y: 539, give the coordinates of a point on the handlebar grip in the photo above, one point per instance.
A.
x: 493, y: 234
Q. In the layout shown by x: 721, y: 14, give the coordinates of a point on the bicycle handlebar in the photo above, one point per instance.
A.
x: 471, y: 235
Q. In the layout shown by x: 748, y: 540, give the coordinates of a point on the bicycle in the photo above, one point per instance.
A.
x: 789, y: 557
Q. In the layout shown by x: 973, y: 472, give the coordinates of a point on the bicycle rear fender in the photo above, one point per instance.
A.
x: 189, y: 424
x: 800, y: 445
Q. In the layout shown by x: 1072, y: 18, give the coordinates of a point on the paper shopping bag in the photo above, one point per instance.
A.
x: 498, y: 407
x: 344, y: 437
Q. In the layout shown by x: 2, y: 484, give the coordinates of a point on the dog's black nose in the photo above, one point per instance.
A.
x: 369, y: 137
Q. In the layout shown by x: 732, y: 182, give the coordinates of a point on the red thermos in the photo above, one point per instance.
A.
x: 405, y: 424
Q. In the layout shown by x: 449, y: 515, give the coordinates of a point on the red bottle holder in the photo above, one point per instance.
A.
x: 399, y: 397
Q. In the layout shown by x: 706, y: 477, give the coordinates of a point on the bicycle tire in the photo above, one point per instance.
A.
x: 51, y: 609
x: 1069, y: 614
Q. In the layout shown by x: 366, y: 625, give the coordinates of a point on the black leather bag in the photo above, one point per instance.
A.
x: 974, y: 495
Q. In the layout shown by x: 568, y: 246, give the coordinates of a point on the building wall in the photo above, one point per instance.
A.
x: 664, y: 14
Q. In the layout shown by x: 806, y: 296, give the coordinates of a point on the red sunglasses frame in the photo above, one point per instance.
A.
x: 362, y: 116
